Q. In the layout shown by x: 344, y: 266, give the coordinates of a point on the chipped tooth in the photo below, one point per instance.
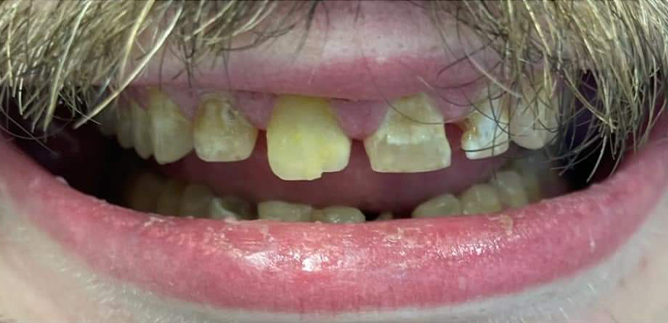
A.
x: 385, y: 216
x: 534, y: 121
x: 195, y: 201
x: 410, y: 139
x: 124, y: 131
x: 142, y: 191
x: 304, y: 139
x: 230, y: 207
x: 486, y: 130
x: 171, y: 131
x: 511, y: 190
x: 481, y: 198
x: 169, y: 201
x: 108, y: 120
x: 221, y: 133
x: 141, y: 132
x: 339, y: 214
x: 284, y: 211
x: 443, y: 205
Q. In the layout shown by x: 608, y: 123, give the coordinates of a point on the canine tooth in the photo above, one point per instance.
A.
x: 304, y: 139
x: 443, y: 205
x: 284, y: 211
x: 195, y: 201
x: 481, y: 198
x: 221, y: 133
x: 171, y: 131
x: 141, y: 132
x: 339, y: 214
x: 534, y: 121
x: 410, y: 139
x: 143, y: 190
x: 230, y: 207
x: 486, y: 130
x: 169, y: 201
x: 124, y: 132
x: 108, y: 120
x: 510, y: 188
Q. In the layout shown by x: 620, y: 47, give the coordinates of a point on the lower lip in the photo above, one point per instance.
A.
x: 342, y: 268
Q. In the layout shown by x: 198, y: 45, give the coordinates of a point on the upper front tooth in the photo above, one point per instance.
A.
x: 534, y: 119
x: 410, y: 139
x: 486, y: 129
x: 221, y: 132
x: 171, y: 131
x: 284, y: 211
x: 141, y: 132
x: 339, y: 214
x: 304, y: 139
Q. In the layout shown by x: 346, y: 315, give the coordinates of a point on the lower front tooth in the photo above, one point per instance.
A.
x: 482, y: 198
x: 410, y: 139
x: 443, y: 205
x: 171, y: 131
x: 510, y: 188
x: 284, y: 211
x: 141, y: 132
x: 304, y: 139
x: 143, y: 192
x: 339, y: 214
x: 195, y: 201
x: 169, y: 201
x: 486, y: 130
x: 230, y: 207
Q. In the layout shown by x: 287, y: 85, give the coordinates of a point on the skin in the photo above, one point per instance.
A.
x: 43, y: 282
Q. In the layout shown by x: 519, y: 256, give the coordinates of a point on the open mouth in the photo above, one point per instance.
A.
x: 335, y: 197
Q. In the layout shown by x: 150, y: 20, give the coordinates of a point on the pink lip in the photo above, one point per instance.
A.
x: 308, y: 268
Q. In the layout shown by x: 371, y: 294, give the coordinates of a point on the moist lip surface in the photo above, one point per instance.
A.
x: 342, y: 268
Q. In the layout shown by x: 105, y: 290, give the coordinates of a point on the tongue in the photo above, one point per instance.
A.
x: 357, y: 185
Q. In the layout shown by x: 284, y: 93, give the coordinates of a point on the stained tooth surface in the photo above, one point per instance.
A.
x: 195, y: 201
x: 511, y: 190
x: 486, y: 129
x: 142, y: 191
x: 534, y: 120
x: 481, y: 198
x: 339, y: 214
x: 108, y: 120
x: 443, y: 205
x: 221, y: 133
x: 284, y: 211
x: 141, y: 132
x: 171, y: 131
x: 124, y: 132
x: 169, y: 200
x: 230, y: 207
x: 304, y: 139
x: 410, y: 139
x: 385, y: 216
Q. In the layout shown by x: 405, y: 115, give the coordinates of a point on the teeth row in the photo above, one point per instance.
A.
x: 304, y: 139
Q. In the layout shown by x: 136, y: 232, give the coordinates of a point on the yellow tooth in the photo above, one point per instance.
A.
x: 385, y: 216
x: 410, y: 139
x: 221, y: 133
x: 304, y: 139
x: 169, y: 201
x: 443, y: 205
x: 482, y: 198
x: 339, y: 214
x: 141, y: 131
x: 230, y: 207
x: 142, y: 191
x: 108, y: 120
x: 171, y: 131
x: 510, y: 187
x: 195, y: 201
x: 534, y: 119
x: 284, y: 211
x: 486, y: 130
x: 124, y: 132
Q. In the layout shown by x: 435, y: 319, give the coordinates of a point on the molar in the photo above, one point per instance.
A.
x: 284, y: 211
x: 221, y: 132
x: 195, y: 201
x: 511, y: 189
x: 481, y: 198
x: 486, y: 129
x: 411, y: 138
x: 171, y: 131
x: 169, y: 200
x: 142, y: 191
x: 230, y: 207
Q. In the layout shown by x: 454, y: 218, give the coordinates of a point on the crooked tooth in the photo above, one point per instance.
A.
x: 410, y: 139
x: 443, y: 205
x: 339, y: 214
x: 141, y: 132
x: 108, y: 120
x: 304, y: 139
x: 142, y: 191
x: 486, y: 129
x: 284, y: 211
x: 221, y: 133
x: 169, y: 200
x: 534, y: 121
x: 124, y: 132
x: 171, y: 131
x: 511, y: 190
x: 481, y: 198
x: 195, y: 201
x: 230, y: 207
